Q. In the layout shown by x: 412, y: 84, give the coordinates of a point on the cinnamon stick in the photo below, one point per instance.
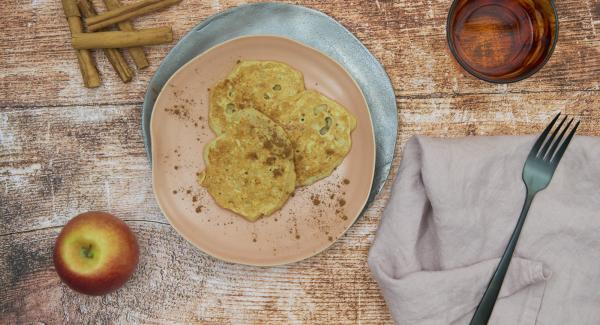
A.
x: 115, y: 57
x: 89, y: 73
x: 137, y: 53
x: 126, y: 12
x: 120, y: 39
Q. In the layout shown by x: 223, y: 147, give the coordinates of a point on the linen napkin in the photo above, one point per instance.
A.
x: 453, y: 207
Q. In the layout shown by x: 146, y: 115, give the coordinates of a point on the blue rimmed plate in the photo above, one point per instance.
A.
x: 303, y: 25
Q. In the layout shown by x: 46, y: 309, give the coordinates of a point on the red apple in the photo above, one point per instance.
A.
x: 95, y: 253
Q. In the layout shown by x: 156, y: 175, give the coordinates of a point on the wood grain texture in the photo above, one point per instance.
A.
x: 65, y: 149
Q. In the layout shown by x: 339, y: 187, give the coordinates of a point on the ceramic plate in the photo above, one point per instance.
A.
x: 313, y: 218
x: 305, y: 25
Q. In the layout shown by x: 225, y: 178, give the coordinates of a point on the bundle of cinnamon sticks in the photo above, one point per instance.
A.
x: 99, y: 36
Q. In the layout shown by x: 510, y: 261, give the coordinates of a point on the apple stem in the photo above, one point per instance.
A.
x: 87, y: 251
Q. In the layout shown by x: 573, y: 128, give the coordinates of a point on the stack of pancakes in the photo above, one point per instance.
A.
x: 272, y: 136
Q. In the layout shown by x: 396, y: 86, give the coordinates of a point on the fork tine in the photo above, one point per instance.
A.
x: 557, y: 142
x: 563, y: 147
x: 538, y: 144
x: 550, y: 140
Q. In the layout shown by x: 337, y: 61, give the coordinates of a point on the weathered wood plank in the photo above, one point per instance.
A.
x: 39, y: 67
x: 58, y: 161
x: 176, y: 283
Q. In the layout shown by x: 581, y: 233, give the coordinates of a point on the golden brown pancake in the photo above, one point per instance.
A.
x: 261, y: 85
x: 250, y: 166
x: 319, y: 129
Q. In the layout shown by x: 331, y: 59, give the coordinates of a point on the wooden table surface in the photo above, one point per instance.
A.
x: 65, y: 149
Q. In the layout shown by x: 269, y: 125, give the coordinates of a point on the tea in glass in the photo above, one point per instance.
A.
x: 502, y: 40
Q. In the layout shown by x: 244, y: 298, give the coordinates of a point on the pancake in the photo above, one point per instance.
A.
x: 250, y: 166
x: 261, y: 85
x: 319, y: 129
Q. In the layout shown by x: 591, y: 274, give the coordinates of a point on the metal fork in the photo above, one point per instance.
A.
x: 537, y: 173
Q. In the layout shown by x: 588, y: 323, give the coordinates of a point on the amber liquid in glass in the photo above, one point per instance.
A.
x: 501, y: 39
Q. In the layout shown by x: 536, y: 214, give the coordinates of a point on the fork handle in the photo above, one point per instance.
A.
x: 486, y: 305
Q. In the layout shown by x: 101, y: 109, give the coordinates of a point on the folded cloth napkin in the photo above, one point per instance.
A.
x: 453, y: 207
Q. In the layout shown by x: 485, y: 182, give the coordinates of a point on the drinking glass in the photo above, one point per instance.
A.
x: 502, y: 41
